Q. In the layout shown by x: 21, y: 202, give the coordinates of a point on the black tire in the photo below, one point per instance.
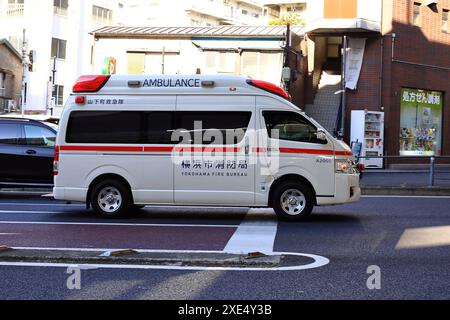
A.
x: 303, y: 196
x: 118, y: 207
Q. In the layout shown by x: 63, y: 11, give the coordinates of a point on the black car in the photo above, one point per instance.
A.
x: 26, y: 153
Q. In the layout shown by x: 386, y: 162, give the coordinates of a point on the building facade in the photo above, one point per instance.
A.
x: 10, y: 76
x: 57, y: 35
x: 236, y: 50
x: 390, y: 56
x: 191, y: 12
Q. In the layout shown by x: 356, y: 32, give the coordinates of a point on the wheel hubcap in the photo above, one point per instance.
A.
x: 293, y: 202
x: 109, y: 199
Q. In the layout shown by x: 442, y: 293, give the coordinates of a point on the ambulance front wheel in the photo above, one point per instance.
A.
x: 293, y: 201
x: 111, y: 199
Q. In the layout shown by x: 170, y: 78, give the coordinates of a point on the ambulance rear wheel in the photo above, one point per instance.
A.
x: 111, y: 199
x: 293, y: 201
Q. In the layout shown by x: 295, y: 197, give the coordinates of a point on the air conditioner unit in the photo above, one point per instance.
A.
x: 11, y: 105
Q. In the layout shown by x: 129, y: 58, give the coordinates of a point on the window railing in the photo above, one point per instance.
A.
x: 12, y: 10
x: 60, y: 11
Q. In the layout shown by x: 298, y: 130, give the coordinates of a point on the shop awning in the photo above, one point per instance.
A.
x: 342, y: 26
x: 236, y: 45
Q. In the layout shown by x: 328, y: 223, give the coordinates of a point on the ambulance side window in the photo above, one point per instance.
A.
x: 290, y: 126
x: 214, y: 127
x: 104, y: 127
x: 158, y: 127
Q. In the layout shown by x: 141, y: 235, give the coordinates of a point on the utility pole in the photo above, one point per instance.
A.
x: 24, y: 69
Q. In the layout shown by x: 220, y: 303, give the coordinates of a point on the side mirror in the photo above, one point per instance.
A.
x: 321, y: 135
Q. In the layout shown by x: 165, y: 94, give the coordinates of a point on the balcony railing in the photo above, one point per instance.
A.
x: 12, y: 11
x: 60, y: 11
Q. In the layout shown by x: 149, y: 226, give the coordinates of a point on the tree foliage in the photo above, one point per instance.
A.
x: 292, y: 18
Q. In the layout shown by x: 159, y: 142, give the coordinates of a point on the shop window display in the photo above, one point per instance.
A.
x: 420, y: 122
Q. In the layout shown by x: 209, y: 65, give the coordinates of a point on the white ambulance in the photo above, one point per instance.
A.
x: 134, y: 140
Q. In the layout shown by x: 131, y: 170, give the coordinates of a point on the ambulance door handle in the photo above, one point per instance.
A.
x: 247, y: 149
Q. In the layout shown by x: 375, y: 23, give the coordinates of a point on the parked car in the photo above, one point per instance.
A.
x: 26, y: 153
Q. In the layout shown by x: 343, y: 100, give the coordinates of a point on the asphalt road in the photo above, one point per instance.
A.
x: 408, y: 238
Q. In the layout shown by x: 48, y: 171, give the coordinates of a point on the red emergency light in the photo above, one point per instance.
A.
x: 91, y: 83
x: 269, y: 87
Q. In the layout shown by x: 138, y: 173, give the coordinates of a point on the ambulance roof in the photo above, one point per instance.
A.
x: 175, y: 84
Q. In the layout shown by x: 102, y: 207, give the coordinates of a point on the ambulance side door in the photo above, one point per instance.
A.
x: 211, y: 169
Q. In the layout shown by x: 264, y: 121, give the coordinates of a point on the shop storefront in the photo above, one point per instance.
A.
x: 420, y: 122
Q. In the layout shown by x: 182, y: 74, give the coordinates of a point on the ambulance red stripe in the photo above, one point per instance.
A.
x: 199, y: 149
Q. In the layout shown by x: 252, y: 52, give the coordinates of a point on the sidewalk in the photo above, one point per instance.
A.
x: 405, y: 182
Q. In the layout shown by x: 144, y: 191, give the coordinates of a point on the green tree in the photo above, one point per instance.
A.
x: 292, y: 18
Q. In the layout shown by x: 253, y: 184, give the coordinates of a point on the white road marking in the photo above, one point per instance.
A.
x: 424, y: 237
x: 254, y: 235
x: 319, y: 261
x: 43, y: 204
x: 8, y: 234
x: 399, y: 196
x: 123, y: 224
x: 30, y: 211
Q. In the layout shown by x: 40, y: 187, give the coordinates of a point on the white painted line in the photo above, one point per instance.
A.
x: 394, y: 196
x: 319, y: 261
x: 30, y: 211
x: 8, y: 234
x: 254, y: 235
x: 42, y: 204
x: 424, y: 237
x: 123, y: 224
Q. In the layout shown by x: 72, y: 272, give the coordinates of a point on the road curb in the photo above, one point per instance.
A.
x: 405, y: 191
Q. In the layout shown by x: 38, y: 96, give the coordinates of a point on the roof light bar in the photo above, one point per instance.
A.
x: 269, y: 87
x: 91, y: 83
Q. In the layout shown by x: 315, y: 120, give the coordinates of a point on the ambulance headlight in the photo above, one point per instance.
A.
x: 344, y: 166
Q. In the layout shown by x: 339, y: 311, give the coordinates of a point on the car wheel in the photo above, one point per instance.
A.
x: 293, y: 201
x: 111, y: 199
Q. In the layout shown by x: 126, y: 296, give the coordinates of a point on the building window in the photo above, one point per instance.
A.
x: 59, y: 48
x: 244, y: 12
x: 295, y: 9
x: 101, y: 15
x: 57, y: 94
x: 445, y: 24
x: 220, y: 62
x: 420, y: 122
x: 15, y: 8
x: 416, y: 15
x: 2, y: 81
x: 60, y: 7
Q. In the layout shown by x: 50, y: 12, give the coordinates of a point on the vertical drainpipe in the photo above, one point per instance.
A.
x: 344, y: 57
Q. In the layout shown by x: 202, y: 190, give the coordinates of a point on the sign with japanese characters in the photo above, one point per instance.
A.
x: 214, y: 168
x: 422, y: 98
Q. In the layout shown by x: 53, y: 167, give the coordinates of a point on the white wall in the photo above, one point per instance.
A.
x: 370, y: 10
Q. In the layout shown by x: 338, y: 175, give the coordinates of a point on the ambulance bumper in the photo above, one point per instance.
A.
x: 70, y: 194
x: 347, y: 190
